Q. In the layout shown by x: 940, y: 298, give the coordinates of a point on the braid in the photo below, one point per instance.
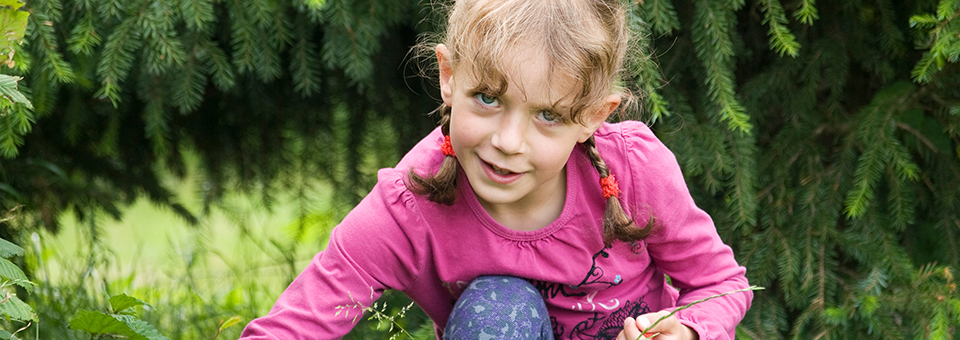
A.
x: 439, y: 187
x: 617, y: 225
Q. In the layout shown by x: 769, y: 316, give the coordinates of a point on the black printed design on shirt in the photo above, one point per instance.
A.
x: 609, y: 325
x: 595, y: 275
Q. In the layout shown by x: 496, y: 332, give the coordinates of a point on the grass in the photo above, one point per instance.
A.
x: 236, y: 262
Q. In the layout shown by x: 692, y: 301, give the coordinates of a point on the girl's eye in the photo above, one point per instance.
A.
x: 549, y: 117
x: 487, y: 99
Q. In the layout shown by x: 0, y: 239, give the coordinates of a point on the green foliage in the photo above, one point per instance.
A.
x: 121, y: 302
x: 11, y: 306
x: 128, y: 326
x: 942, y: 38
x: 16, y: 118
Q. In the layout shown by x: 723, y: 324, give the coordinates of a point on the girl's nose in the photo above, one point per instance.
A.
x: 509, y: 138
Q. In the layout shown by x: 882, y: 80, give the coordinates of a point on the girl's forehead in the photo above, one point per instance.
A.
x: 524, y: 68
x: 533, y: 78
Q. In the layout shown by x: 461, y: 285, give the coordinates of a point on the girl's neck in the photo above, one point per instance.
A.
x: 534, y: 212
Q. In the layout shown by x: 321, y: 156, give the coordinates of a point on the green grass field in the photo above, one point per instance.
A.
x: 236, y: 261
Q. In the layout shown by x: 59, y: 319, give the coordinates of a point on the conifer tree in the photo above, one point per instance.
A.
x: 823, y: 137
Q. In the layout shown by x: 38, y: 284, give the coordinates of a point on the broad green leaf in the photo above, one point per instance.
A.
x: 16, y: 309
x: 13, y: 4
x: 8, y: 88
x: 13, y: 23
x: 98, y: 323
x: 7, y: 189
x: 8, y: 249
x: 10, y: 271
x: 230, y: 322
x: 121, y: 302
x: 140, y: 329
x: 235, y: 297
x: 7, y: 335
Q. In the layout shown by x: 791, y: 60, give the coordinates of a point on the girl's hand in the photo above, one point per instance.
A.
x: 668, y: 329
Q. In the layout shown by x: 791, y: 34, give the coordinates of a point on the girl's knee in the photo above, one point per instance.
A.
x: 499, y: 307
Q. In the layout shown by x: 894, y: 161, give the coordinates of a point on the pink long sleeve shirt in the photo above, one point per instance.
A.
x: 395, y: 239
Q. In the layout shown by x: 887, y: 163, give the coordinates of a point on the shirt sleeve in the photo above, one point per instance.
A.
x: 685, y: 244
x: 368, y: 252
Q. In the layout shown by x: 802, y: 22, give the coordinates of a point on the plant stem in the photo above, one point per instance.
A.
x: 641, y: 337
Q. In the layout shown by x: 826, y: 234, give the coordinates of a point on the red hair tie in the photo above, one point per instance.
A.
x: 446, y: 148
x: 609, y: 186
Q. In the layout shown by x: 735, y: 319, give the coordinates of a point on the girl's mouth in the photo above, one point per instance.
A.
x: 500, y: 175
x: 500, y: 171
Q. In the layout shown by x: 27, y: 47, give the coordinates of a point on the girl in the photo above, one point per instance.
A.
x: 507, y: 222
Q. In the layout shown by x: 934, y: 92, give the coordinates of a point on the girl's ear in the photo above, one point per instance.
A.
x: 446, y: 72
x: 593, y: 121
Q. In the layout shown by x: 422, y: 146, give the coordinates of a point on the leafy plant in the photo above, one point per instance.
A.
x: 16, y: 118
x: 121, y: 321
x: 11, y: 276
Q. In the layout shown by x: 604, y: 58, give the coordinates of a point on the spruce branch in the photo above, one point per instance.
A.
x: 117, y: 59
x: 197, y: 13
x: 304, y: 65
x: 83, y: 37
x: 661, y: 15
x: 781, y: 40
x: 714, y: 48
x: 807, y: 13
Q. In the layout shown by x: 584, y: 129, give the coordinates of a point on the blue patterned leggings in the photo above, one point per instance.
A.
x: 499, y: 307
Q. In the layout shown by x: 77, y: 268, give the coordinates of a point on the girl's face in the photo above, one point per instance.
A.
x: 513, y: 146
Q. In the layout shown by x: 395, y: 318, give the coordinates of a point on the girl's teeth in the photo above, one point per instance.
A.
x: 499, y: 170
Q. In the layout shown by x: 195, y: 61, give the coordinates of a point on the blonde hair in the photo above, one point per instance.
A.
x: 587, y: 40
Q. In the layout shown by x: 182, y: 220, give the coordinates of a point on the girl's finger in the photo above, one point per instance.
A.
x: 643, y: 322
x: 630, y: 330
x: 646, y: 320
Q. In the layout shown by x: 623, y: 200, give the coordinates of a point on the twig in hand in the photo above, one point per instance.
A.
x: 644, y: 335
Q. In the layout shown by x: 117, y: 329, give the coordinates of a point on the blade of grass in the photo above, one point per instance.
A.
x: 643, y: 337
